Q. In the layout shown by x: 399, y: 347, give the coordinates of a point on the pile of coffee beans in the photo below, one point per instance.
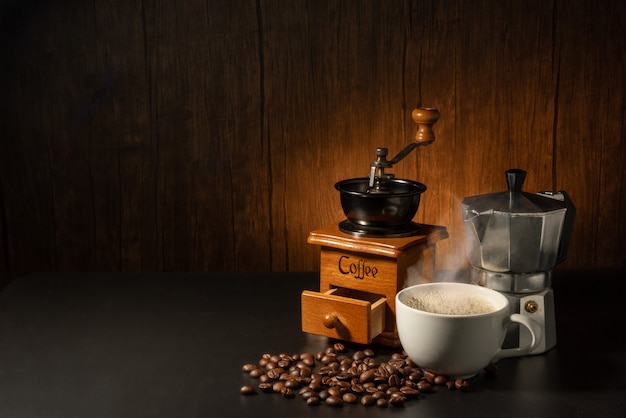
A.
x: 335, y: 378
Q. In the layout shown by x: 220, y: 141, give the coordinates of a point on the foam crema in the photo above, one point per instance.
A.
x: 445, y: 303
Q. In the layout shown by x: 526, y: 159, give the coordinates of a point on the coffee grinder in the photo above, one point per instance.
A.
x: 513, y: 240
x: 368, y: 257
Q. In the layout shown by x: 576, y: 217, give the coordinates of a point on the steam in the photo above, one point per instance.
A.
x: 456, y: 268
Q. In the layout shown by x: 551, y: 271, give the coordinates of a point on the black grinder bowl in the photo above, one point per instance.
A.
x: 385, y: 211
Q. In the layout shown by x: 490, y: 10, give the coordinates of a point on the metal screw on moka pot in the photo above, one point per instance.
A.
x: 513, y: 241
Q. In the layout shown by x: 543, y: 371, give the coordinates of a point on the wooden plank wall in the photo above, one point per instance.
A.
x: 207, y: 136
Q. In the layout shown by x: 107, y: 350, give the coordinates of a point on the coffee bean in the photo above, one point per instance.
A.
x: 394, y: 380
x: 368, y: 400
x: 357, y: 389
x: 248, y: 367
x: 391, y: 390
x: 340, y: 348
x: 266, y: 387
x: 383, y: 387
x: 324, y: 370
x: 424, y: 386
x: 410, y: 392
x: 370, y: 362
x: 429, y: 376
x: 378, y: 395
x: 316, y: 385
x: 440, y: 380
x: 287, y: 392
x: 323, y: 394
x: 308, y: 394
x: 308, y: 359
x: 275, y: 373
x: 247, y: 390
x: 408, y: 383
x: 334, y: 391
x: 334, y: 401
x: 292, y: 384
x: 343, y: 386
x: 367, y: 376
x: 350, y: 398
x: 368, y: 352
x: 313, y: 401
x: 381, y: 403
x: 461, y: 384
x: 344, y: 377
x: 370, y: 389
x: 327, y: 359
x: 381, y: 379
x: 410, y: 363
x: 254, y: 373
x: 397, y: 399
x: 416, y: 376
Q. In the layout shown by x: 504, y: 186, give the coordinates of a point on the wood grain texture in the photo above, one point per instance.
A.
x: 207, y: 136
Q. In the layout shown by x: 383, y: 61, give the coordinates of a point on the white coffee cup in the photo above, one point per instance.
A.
x: 459, y: 342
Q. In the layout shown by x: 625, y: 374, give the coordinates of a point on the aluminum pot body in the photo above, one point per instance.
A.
x: 517, y: 232
x: 508, y: 243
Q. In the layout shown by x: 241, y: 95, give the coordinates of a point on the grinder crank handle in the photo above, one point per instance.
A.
x: 425, y: 117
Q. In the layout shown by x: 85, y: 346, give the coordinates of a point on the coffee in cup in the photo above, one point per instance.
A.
x: 456, y: 329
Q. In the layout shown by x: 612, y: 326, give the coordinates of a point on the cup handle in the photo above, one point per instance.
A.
x: 536, y: 337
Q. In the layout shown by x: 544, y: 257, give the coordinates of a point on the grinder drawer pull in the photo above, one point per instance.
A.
x: 330, y: 320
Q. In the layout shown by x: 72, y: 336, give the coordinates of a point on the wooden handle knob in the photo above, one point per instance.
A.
x: 330, y: 320
x: 425, y: 117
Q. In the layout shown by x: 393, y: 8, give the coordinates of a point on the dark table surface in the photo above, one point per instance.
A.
x: 172, y: 345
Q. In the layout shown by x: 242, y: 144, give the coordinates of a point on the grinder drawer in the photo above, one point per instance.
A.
x: 345, y: 314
